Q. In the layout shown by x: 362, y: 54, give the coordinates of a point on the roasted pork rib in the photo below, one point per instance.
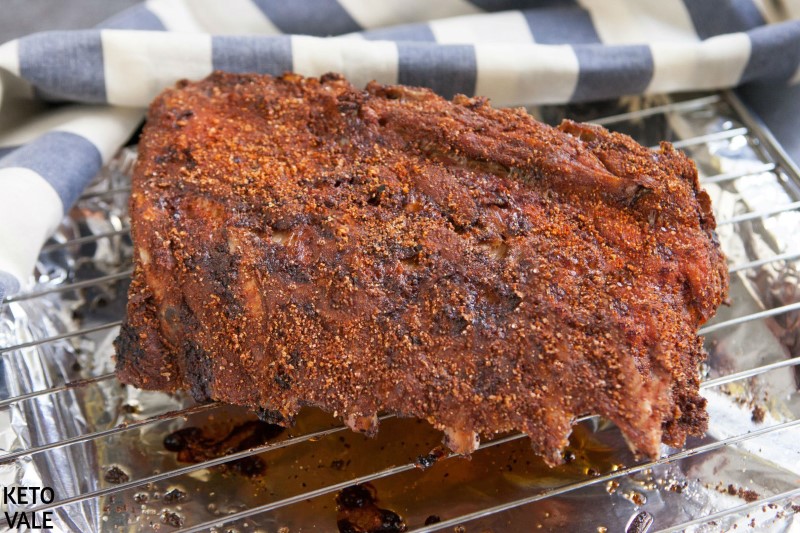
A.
x: 299, y: 241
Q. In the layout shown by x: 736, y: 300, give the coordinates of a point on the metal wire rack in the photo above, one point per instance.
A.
x: 309, y: 464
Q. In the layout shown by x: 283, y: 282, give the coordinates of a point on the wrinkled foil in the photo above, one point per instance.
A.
x: 100, y: 419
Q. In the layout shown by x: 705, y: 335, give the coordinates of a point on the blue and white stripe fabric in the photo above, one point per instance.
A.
x: 69, y: 99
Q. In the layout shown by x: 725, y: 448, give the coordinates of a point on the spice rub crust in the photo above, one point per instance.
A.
x: 299, y: 241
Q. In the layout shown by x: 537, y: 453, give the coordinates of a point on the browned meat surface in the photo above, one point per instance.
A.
x: 301, y: 242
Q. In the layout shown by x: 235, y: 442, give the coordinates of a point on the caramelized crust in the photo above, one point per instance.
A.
x: 300, y: 241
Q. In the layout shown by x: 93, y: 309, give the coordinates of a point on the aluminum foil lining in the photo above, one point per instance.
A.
x: 101, y: 446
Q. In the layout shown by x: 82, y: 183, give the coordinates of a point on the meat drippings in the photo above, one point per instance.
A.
x: 358, y: 512
x: 196, y: 445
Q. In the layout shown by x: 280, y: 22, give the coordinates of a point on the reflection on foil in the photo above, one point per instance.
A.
x: 116, y: 471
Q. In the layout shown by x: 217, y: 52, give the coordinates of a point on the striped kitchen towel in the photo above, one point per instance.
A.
x: 513, y: 51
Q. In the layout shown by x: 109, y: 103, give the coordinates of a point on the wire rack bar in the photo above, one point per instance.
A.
x: 748, y: 318
x: 563, y: 489
x: 196, y: 467
x: 686, y: 105
x: 707, y: 138
x: 53, y: 390
x: 335, y: 487
x: 70, y: 286
x: 496, y: 509
x: 788, y: 256
x: 730, y: 176
x: 267, y: 447
x: 739, y: 509
x: 61, y: 336
x: 7, y: 458
x: 760, y: 214
x: 332, y: 488
x: 758, y: 127
x: 744, y: 374
x: 86, y: 239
